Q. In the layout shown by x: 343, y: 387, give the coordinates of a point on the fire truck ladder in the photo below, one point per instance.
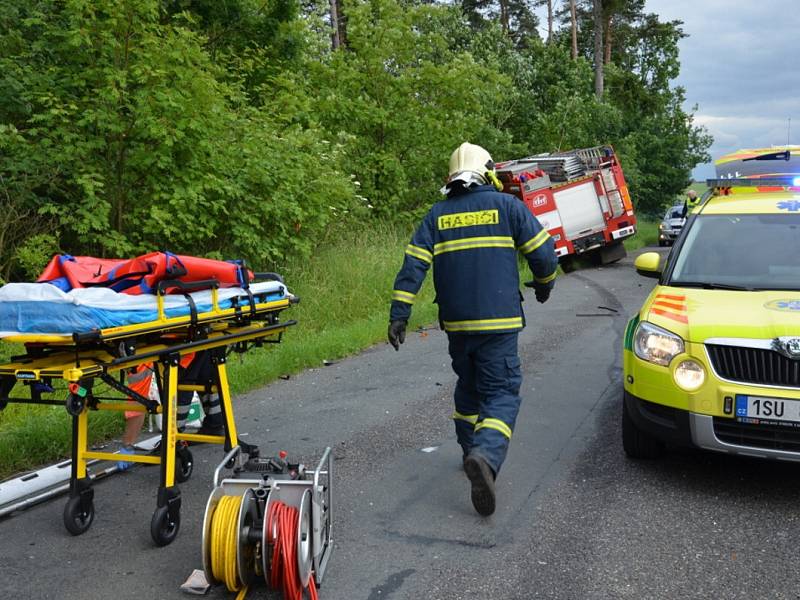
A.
x: 613, y: 194
x: 561, y: 168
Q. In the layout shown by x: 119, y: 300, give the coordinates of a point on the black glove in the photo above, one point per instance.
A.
x: 542, y: 292
x: 397, y: 333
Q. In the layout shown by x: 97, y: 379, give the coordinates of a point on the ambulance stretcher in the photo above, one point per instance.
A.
x: 215, y: 320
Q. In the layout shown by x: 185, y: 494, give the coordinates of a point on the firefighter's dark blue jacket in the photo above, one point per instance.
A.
x: 472, y: 239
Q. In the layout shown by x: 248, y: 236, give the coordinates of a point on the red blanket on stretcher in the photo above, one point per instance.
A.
x: 140, y: 275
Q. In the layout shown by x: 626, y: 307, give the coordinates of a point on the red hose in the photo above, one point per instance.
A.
x: 282, y: 519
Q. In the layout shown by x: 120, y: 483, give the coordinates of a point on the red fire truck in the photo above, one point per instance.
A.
x: 579, y: 196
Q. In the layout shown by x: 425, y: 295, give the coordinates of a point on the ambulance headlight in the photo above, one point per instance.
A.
x: 690, y: 375
x: 656, y: 345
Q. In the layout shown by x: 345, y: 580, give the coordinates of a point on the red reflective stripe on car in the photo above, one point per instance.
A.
x: 670, y: 297
x: 670, y: 315
x: 672, y: 305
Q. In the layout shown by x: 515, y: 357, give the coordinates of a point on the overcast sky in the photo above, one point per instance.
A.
x: 741, y: 66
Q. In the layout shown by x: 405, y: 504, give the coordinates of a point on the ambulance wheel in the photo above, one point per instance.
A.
x: 638, y: 444
x: 163, y: 527
x: 78, y: 516
x: 184, y: 465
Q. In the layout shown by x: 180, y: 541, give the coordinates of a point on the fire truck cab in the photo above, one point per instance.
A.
x: 579, y: 196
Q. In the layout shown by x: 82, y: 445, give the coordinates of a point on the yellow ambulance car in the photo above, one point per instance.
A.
x: 712, y: 359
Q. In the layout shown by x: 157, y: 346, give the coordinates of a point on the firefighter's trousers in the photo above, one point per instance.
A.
x: 487, y: 392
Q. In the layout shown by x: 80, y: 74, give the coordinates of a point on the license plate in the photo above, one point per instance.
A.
x: 767, y: 409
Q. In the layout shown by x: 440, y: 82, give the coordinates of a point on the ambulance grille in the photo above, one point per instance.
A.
x: 773, y: 437
x: 756, y: 366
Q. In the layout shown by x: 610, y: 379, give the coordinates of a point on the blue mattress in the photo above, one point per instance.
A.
x: 30, y: 308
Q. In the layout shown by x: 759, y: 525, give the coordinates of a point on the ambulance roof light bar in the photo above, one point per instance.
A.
x: 782, y: 181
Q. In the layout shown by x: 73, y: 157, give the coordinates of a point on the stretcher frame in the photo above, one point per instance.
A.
x: 82, y: 358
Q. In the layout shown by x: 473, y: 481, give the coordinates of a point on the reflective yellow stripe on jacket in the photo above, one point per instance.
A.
x: 419, y: 253
x: 547, y: 279
x: 402, y: 296
x: 495, y: 424
x: 472, y: 243
x: 533, y: 243
x: 484, y: 324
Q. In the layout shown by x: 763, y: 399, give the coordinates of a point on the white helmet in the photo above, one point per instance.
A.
x: 469, y: 163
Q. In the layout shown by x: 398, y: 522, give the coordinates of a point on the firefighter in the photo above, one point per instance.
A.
x: 692, y: 200
x: 471, y: 238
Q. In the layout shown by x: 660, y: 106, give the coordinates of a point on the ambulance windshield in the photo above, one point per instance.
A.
x: 745, y: 251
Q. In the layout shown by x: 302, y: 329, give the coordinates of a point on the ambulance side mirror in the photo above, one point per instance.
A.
x: 648, y: 264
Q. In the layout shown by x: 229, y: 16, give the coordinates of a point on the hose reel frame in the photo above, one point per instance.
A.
x: 311, y: 494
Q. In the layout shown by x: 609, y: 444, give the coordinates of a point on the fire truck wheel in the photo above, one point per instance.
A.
x: 78, y: 515
x: 611, y: 253
x: 567, y: 264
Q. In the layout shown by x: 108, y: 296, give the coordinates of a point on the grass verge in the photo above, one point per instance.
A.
x: 344, y: 306
x: 646, y: 235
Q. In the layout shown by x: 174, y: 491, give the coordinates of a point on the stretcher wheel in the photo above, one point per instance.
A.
x: 78, y: 515
x: 74, y: 405
x: 184, y: 465
x: 163, y: 526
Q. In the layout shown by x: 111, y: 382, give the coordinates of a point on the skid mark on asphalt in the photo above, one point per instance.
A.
x: 612, y: 390
x: 619, y: 323
x: 606, y: 398
x: 428, y: 541
x: 393, y: 583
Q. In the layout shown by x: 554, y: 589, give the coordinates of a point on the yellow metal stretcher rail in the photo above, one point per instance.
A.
x: 82, y: 358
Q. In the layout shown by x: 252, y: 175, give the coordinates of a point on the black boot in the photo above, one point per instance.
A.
x: 481, y: 477
x: 212, y: 425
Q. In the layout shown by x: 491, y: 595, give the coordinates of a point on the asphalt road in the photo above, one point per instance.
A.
x: 575, y: 518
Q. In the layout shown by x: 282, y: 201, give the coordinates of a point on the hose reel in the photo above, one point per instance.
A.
x: 270, y: 520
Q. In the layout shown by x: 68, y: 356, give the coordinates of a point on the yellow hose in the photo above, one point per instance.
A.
x: 242, y: 593
x: 224, y: 523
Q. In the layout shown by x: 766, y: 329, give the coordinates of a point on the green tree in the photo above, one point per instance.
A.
x: 116, y: 116
x: 657, y: 139
x: 618, y: 18
x: 401, y: 99
x: 121, y: 128
x: 516, y: 18
x: 554, y: 107
x: 232, y: 128
x: 256, y: 39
